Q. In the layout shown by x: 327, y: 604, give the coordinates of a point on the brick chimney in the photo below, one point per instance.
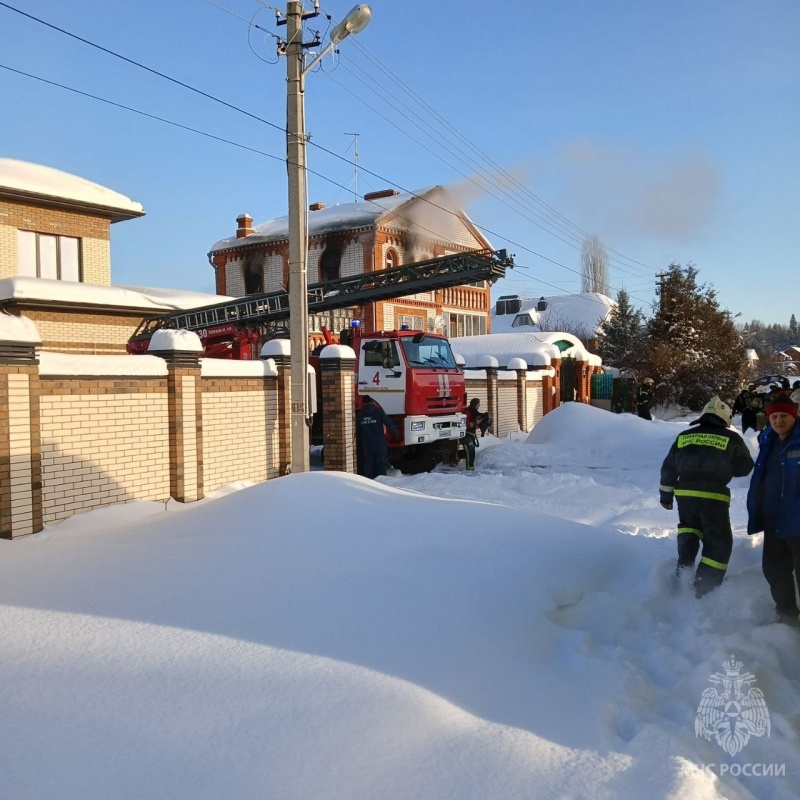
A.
x: 244, y: 227
x: 316, y: 207
x: 380, y: 194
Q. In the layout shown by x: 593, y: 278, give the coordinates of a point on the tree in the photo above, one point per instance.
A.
x: 594, y: 266
x: 620, y: 340
x: 694, y: 347
x: 793, y: 326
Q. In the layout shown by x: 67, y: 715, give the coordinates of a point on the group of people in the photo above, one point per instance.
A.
x: 752, y: 402
x: 372, y: 423
x: 696, y: 473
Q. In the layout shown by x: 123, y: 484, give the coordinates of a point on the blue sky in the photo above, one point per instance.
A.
x: 668, y: 130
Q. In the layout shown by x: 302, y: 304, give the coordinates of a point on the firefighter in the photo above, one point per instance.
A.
x: 697, y: 471
x: 471, y: 439
x: 371, y: 425
x: 744, y: 405
x: 645, y: 399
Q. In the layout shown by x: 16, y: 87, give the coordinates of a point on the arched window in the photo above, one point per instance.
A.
x: 391, y: 259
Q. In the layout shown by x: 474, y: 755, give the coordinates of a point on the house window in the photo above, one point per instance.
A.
x: 465, y: 325
x: 42, y: 255
x: 412, y: 323
x: 522, y: 320
x: 391, y: 259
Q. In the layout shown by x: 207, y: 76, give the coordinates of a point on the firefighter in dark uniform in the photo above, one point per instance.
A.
x: 471, y: 439
x: 697, y: 471
x: 372, y: 447
x: 745, y: 406
x: 645, y: 399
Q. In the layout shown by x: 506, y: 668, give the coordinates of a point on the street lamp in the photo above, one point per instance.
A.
x: 355, y: 21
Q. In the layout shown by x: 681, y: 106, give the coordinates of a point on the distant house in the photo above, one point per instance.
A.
x: 386, y: 229
x: 579, y: 314
x: 790, y: 360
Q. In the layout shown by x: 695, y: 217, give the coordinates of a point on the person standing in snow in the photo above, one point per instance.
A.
x: 744, y: 405
x: 645, y: 399
x: 471, y: 439
x: 371, y: 423
x: 773, y: 505
x: 696, y: 472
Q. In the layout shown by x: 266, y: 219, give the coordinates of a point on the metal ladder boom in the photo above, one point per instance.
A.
x: 424, y: 276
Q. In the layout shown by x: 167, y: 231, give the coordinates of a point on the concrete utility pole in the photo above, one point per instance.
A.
x: 298, y: 234
x: 356, y: 20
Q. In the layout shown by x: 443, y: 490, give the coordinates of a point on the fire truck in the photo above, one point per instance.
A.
x: 412, y: 374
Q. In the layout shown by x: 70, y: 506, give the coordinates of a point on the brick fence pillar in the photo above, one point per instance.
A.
x: 337, y: 365
x: 555, y: 396
x: 20, y: 438
x: 181, y: 350
x: 520, y: 366
x: 490, y: 365
x: 280, y: 351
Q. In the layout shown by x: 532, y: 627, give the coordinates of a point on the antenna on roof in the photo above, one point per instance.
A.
x: 355, y: 163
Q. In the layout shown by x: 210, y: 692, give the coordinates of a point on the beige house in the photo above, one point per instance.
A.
x: 55, y: 259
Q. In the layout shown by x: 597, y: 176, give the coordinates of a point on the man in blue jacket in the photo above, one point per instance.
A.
x: 773, y: 505
x: 373, y: 449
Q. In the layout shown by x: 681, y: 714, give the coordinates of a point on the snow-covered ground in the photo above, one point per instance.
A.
x: 504, y: 634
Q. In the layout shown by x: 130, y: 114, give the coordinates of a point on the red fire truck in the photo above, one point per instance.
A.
x: 412, y: 374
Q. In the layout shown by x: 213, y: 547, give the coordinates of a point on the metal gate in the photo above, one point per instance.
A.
x: 568, y: 384
x: 602, y: 387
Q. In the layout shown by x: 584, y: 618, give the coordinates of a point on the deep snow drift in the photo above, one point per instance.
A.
x: 508, y: 633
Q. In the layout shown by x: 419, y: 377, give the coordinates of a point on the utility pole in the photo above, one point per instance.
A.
x: 355, y: 163
x: 356, y: 20
x: 298, y: 234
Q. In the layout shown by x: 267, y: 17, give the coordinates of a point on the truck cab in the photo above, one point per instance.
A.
x: 413, y: 375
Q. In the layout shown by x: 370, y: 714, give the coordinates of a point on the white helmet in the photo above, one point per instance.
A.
x: 720, y: 408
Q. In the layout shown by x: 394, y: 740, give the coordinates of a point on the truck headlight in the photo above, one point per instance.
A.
x: 418, y: 426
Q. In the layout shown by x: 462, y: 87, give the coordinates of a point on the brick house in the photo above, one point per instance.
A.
x: 55, y: 259
x: 384, y: 230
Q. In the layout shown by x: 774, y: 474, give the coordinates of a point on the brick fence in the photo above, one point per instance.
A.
x: 82, y: 432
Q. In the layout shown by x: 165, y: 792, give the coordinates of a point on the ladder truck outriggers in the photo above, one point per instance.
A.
x: 412, y: 374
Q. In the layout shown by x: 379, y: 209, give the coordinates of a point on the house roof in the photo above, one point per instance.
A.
x: 574, y: 311
x: 21, y: 180
x: 536, y: 349
x: 341, y: 217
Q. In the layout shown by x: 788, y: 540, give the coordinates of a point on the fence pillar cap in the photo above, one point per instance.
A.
x: 517, y: 364
x: 340, y: 351
x: 276, y: 347
x: 175, y: 340
x: 487, y: 362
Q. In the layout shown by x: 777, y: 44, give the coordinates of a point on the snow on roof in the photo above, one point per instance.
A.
x: 574, y: 311
x: 341, y: 217
x: 122, y: 296
x: 36, y: 179
x: 536, y: 349
x: 18, y: 329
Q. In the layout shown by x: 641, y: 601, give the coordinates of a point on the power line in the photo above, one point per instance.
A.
x: 252, y: 116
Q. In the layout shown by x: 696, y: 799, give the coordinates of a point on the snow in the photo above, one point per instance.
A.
x: 536, y: 349
x: 85, y: 365
x: 38, y: 179
x: 167, y: 339
x: 337, y: 351
x: 507, y: 633
x: 86, y: 293
x: 18, y: 329
x: 576, y: 311
x: 341, y: 217
x: 223, y: 367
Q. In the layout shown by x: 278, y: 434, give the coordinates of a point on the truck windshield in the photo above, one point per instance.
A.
x: 428, y: 352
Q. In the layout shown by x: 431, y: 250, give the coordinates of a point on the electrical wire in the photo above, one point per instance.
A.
x: 249, y: 114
